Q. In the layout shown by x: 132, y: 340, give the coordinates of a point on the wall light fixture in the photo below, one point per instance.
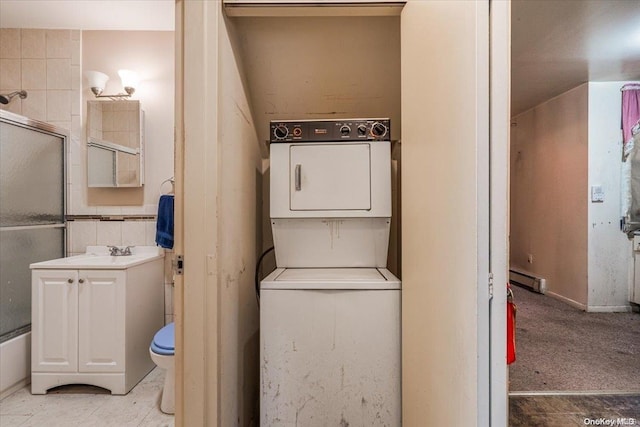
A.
x: 98, y: 80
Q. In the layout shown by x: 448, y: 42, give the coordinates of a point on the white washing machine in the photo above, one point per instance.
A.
x: 330, y: 350
x: 330, y: 347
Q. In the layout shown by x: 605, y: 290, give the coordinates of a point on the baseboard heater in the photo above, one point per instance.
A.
x: 536, y: 284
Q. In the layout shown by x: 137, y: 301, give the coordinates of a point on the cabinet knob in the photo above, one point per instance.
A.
x: 69, y: 280
x: 81, y: 281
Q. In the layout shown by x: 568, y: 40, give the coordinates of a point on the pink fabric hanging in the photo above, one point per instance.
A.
x: 630, y: 113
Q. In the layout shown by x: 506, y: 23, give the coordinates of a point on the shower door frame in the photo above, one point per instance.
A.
x: 64, y: 134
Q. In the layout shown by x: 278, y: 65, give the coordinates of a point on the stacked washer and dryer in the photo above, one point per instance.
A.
x: 330, y: 312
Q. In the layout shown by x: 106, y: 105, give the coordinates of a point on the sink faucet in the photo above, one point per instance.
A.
x: 116, y: 251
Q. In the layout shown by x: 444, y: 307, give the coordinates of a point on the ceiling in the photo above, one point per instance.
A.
x: 143, y: 15
x: 556, y: 44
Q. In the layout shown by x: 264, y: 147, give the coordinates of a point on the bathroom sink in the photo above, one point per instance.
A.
x: 97, y: 257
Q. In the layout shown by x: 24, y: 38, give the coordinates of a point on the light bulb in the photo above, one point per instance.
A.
x: 129, y: 80
x: 97, y: 81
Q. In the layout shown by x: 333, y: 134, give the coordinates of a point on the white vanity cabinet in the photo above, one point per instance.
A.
x: 94, y: 325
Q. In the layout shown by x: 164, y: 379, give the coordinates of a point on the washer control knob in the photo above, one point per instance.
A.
x: 281, y: 132
x: 345, y: 130
x: 378, y: 130
x: 362, y: 130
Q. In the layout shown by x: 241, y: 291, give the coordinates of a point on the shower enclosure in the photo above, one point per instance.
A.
x: 32, y: 211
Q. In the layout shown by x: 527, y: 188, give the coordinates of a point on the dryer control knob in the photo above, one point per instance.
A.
x: 378, y: 130
x: 345, y: 130
x: 281, y: 132
x: 362, y: 130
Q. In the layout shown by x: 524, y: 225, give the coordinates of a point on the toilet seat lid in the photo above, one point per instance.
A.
x: 164, y: 340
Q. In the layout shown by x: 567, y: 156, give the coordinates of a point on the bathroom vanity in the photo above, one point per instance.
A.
x: 93, y: 318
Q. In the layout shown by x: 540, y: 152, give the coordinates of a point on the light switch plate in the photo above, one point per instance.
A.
x: 597, y: 194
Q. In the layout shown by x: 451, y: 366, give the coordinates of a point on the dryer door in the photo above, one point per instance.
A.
x: 330, y: 177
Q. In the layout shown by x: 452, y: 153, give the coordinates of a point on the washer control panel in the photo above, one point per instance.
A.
x: 330, y: 130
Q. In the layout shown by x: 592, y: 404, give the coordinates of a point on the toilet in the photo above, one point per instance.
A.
x: 162, y: 352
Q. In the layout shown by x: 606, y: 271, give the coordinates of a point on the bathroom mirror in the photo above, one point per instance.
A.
x: 115, y: 144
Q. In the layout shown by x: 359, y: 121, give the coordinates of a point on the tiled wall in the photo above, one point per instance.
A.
x: 47, y: 64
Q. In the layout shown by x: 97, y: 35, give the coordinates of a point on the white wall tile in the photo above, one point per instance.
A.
x: 76, y: 125
x: 132, y: 210
x: 84, y: 233
x: 34, y: 74
x: 34, y: 105
x: 58, y: 43
x: 150, y: 234
x: 69, y: 236
x: 59, y: 105
x: 80, y: 206
x: 59, y: 74
x: 14, y: 106
x: 61, y: 124
x: 10, y: 77
x: 109, y: 210
x: 76, y: 104
x: 77, y: 154
x: 69, y: 195
x: 133, y: 233
x: 151, y: 209
x: 9, y: 43
x: 76, y: 79
x: 33, y: 44
x: 109, y: 233
x: 76, y: 54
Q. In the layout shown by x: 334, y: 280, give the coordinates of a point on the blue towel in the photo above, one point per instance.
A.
x: 164, y: 223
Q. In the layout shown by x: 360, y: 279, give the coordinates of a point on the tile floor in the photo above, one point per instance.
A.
x: 87, y: 406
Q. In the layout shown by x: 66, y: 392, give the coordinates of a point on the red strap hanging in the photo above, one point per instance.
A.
x: 511, y: 327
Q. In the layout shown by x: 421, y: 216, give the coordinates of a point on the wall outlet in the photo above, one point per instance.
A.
x: 597, y: 194
x: 530, y: 258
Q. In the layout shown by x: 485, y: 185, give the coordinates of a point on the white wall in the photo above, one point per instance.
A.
x: 151, y: 54
x: 441, y: 62
x: 609, y: 249
x: 321, y: 67
x: 549, y: 155
x: 560, y: 149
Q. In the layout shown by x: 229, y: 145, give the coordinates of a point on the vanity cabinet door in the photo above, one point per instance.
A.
x: 101, y: 317
x: 54, y: 327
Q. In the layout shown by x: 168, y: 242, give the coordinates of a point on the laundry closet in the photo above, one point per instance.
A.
x: 243, y: 64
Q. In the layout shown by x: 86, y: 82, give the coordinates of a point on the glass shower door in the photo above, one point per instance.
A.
x: 32, y: 212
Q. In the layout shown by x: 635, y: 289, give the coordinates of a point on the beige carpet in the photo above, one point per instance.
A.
x: 560, y: 348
